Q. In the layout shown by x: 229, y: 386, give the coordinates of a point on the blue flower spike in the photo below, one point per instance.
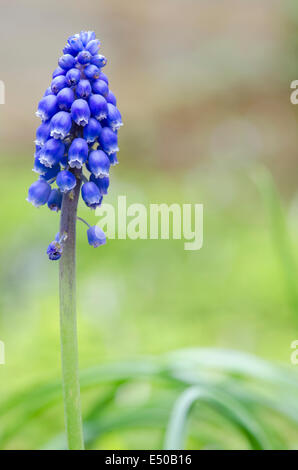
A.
x: 77, y: 141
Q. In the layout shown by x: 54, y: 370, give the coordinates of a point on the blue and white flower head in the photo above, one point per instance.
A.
x: 77, y: 138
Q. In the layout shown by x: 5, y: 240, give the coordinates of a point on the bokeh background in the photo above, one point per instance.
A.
x: 204, y: 90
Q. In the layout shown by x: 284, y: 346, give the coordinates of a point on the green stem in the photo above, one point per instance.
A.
x: 68, y: 322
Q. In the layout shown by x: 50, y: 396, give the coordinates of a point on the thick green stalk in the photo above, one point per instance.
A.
x: 68, y: 321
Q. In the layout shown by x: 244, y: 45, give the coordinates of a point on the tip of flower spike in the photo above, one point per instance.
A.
x: 79, y: 117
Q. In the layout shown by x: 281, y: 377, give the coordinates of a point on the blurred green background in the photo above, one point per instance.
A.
x: 204, y: 90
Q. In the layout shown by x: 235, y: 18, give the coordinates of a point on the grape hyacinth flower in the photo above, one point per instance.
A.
x: 80, y: 112
x: 39, y: 193
x: 98, y: 107
x: 102, y: 183
x: 108, y: 140
x: 99, y: 163
x: 60, y: 125
x: 92, y: 130
x: 55, y: 200
x: 54, y: 250
x: 78, y: 153
x: 47, y: 107
x: 96, y: 236
x: 52, y: 152
x: 114, y: 117
x: 76, y: 143
x: 43, y: 133
x: 65, y: 98
x: 91, y: 195
x: 66, y: 181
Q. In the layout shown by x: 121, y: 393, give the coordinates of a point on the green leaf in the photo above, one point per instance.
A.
x: 177, y: 428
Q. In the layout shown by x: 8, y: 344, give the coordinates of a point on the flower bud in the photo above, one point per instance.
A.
x: 38, y: 167
x: 58, y: 83
x: 87, y: 36
x: 39, y: 192
x: 102, y: 183
x: 65, y: 98
x: 69, y: 50
x: 80, y: 112
x: 96, y: 236
x: 51, y: 152
x: 43, y: 133
x: 100, y: 87
x: 58, y: 71
x: 78, y: 153
x: 47, y: 107
x: 83, y: 89
x: 75, y: 43
x: 66, y: 181
x: 60, y: 125
x: 48, y: 91
x: 102, y: 76
x: 99, y: 60
x: 93, y: 46
x: 84, y: 57
x: 54, y: 250
x: 114, y: 117
x: 67, y: 61
x: 99, y: 163
x: 111, y: 98
x: 108, y: 141
x: 91, y: 195
x: 98, y: 107
x: 92, y: 130
x: 73, y: 77
x: 55, y: 200
x: 92, y: 72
